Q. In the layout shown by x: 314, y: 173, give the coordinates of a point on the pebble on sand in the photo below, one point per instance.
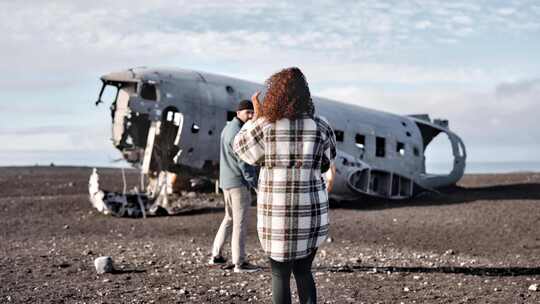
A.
x: 103, y: 264
x: 534, y: 287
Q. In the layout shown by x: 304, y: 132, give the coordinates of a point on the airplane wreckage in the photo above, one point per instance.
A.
x: 168, y: 122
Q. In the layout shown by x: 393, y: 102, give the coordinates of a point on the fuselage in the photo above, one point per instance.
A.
x: 380, y: 153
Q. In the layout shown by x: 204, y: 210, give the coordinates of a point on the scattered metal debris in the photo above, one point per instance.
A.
x: 135, y: 204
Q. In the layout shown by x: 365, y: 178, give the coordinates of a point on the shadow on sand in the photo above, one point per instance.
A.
x: 475, y: 271
x: 126, y: 271
x: 192, y: 210
x: 448, y: 196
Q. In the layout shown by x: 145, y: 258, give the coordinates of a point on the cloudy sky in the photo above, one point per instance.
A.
x: 476, y: 63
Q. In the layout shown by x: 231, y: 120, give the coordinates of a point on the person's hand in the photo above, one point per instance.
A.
x: 330, y: 176
x: 256, y: 105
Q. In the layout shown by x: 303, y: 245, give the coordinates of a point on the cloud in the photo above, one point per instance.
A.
x: 518, y: 89
x: 519, y: 97
x: 448, y: 41
x: 462, y: 6
x: 462, y: 20
x: 506, y: 11
x: 422, y: 25
x: 397, y: 73
x: 77, y: 39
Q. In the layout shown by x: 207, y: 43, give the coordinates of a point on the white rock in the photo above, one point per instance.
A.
x: 533, y: 287
x: 406, y: 289
x: 104, y: 264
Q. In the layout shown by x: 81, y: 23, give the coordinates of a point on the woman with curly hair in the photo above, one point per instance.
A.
x: 294, y: 147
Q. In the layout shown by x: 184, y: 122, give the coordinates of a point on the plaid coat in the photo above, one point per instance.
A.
x: 292, y: 200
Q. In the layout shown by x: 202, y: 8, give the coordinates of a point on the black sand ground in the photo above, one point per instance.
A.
x: 478, y: 242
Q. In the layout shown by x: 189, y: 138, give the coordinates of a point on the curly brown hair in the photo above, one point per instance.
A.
x: 287, y: 96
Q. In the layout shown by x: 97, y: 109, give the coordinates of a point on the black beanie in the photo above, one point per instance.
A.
x: 244, y: 105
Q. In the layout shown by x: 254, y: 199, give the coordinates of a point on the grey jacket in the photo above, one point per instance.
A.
x: 233, y: 172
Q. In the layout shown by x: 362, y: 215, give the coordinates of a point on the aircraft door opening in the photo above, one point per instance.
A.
x: 167, y: 149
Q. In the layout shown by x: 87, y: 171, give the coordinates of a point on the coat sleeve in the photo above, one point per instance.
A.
x: 329, y: 154
x: 249, y: 173
x: 249, y: 142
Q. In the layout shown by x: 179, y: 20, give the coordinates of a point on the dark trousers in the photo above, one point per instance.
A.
x: 281, y: 279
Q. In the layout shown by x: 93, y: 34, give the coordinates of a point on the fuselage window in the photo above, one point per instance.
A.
x: 148, y: 91
x: 360, y: 141
x: 380, y: 143
x: 400, y: 148
x: 339, y: 135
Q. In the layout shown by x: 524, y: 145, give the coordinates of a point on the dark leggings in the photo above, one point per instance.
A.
x: 281, y: 278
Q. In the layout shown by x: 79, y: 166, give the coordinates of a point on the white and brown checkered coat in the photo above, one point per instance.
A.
x: 292, y: 200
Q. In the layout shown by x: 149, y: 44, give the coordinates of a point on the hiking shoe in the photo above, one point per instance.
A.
x: 246, y: 267
x: 227, y: 266
x: 217, y: 260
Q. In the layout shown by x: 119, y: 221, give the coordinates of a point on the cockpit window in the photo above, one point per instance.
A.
x: 148, y: 91
x: 110, y: 94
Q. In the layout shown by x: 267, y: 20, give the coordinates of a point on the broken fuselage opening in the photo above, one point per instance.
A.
x: 166, y: 150
x: 162, y: 105
x: 130, y: 128
x: 148, y: 137
x: 438, y: 155
x: 429, y: 131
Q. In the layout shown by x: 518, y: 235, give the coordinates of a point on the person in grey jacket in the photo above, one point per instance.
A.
x: 235, y: 179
